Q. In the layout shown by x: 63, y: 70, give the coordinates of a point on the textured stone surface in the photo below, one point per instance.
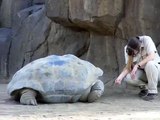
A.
x: 107, y: 54
x: 63, y: 41
x: 31, y: 38
x: 94, y: 30
x: 5, y: 13
x: 58, y: 10
x: 100, y: 16
x: 4, y: 51
x: 0, y: 2
x: 141, y: 17
x: 16, y: 7
x: 38, y: 1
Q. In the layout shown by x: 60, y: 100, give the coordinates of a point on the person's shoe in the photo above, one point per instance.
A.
x: 150, y: 96
x: 143, y: 93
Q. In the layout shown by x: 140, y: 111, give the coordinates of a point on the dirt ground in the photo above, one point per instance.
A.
x: 115, y: 104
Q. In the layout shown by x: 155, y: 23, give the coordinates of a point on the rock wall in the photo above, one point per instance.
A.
x: 94, y: 30
x: 4, y: 52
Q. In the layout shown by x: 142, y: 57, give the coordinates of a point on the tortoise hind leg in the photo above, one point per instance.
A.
x: 96, y: 91
x: 28, y: 97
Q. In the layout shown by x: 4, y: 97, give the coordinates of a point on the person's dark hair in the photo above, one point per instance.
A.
x: 133, y: 44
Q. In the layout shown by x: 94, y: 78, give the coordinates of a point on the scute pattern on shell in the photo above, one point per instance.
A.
x: 56, y: 75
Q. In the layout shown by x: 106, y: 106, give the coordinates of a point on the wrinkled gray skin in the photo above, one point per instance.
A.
x: 30, y: 96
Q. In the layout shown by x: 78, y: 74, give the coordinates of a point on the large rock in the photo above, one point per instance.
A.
x: 17, y: 6
x: 96, y: 30
x: 0, y: 2
x: 63, y: 41
x: 114, y: 21
x: 141, y: 17
x: 58, y: 10
x: 31, y: 37
x: 4, y: 51
x: 100, y: 16
x: 9, y: 10
x: 5, y: 13
x: 107, y: 54
x: 38, y: 1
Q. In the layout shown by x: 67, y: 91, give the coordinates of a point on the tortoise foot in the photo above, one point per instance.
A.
x: 28, y: 97
x: 94, y: 95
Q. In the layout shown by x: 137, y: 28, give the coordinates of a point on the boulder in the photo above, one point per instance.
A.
x: 99, y: 16
x: 5, y: 13
x: 31, y: 37
x: 4, y: 51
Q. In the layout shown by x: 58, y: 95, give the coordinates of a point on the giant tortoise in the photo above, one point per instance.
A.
x: 57, y: 79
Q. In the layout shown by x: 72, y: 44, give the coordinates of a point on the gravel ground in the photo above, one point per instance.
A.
x: 115, y: 104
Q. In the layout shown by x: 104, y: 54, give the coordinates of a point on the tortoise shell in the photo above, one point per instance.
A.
x: 55, y: 75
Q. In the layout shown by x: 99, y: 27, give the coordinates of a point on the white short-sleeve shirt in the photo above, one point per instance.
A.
x: 147, y: 47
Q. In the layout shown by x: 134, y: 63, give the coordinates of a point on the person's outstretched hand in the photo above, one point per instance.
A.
x: 118, y: 81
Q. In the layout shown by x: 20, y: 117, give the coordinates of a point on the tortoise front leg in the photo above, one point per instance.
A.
x: 28, y: 97
x: 96, y: 91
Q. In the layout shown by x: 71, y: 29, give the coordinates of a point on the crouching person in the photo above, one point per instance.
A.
x: 142, y: 66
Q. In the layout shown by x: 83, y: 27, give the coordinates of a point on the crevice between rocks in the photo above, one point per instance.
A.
x: 118, y: 21
x: 83, y: 50
x: 8, y: 54
x: 45, y: 41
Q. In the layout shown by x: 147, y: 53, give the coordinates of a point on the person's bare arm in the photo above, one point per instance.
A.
x: 121, y: 76
x: 150, y: 57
